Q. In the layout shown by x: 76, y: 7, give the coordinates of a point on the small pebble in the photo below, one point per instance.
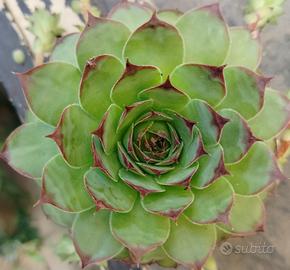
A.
x: 18, y: 56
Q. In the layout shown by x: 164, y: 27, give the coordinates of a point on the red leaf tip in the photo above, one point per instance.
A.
x: 92, y: 20
x: 261, y: 228
x: 214, y: 9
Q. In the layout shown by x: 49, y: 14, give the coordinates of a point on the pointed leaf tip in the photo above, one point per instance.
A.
x: 245, y: 91
x: 92, y: 20
x: 214, y: 9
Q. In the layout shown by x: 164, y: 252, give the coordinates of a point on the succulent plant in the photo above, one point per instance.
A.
x: 45, y: 27
x: 150, y: 135
x: 261, y: 12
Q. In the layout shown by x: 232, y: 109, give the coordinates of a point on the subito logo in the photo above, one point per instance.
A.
x: 226, y: 248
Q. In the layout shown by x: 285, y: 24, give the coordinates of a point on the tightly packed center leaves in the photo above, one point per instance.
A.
x: 149, y: 135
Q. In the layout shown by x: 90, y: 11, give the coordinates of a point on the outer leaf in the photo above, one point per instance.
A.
x: 63, y: 186
x: 134, y: 80
x: 108, y: 128
x: 93, y: 240
x: 244, y: 50
x: 211, y: 167
x: 245, y: 91
x: 109, y: 164
x: 211, y: 204
x: 274, y: 116
x: 163, y: 95
x: 100, y: 74
x: 50, y: 82
x: 190, y: 244
x: 200, y: 82
x: 170, y: 203
x: 140, y: 231
x: 144, y: 184
x: 207, y: 120
x: 60, y: 217
x: 27, y: 149
x: 179, y: 176
x: 132, y: 15
x: 65, y: 50
x: 169, y: 16
x: 236, y: 138
x: 73, y: 136
x: 97, y: 39
x: 205, y: 35
x: 159, y: 256
x: 107, y: 194
x: 153, y: 44
x: 247, y: 216
x: 259, y: 164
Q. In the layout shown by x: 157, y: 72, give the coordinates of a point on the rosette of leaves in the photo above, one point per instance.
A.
x: 150, y: 137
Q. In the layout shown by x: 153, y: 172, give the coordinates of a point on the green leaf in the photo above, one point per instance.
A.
x: 190, y: 244
x: 257, y: 170
x: 92, y: 237
x: 117, y: 197
x: 170, y: 203
x: 169, y: 16
x: 205, y: 35
x: 131, y: 113
x: 153, y: 44
x: 49, y: 83
x: 108, y: 128
x: 158, y: 256
x: 97, y: 39
x: 127, y: 161
x: 247, y: 216
x: 73, y: 136
x: 27, y: 149
x: 180, y: 176
x: 244, y: 50
x: 109, y: 164
x: 60, y: 217
x: 274, y: 116
x: 163, y: 95
x: 211, y: 204
x: 63, y: 186
x: 140, y: 231
x: 173, y: 156
x: 65, y: 50
x: 153, y: 116
x: 194, y: 149
x: 236, y: 138
x: 155, y: 169
x: 188, y: 135
x: 144, y: 184
x: 100, y: 74
x: 128, y: 142
x: 211, y: 167
x: 200, y: 82
x: 245, y: 91
x: 133, y: 15
x: 134, y: 80
x: 209, y: 122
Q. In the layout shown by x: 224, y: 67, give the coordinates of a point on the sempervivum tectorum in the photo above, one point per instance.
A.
x: 150, y: 135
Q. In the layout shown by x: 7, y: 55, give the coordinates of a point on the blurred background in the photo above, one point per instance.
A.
x: 28, y: 32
